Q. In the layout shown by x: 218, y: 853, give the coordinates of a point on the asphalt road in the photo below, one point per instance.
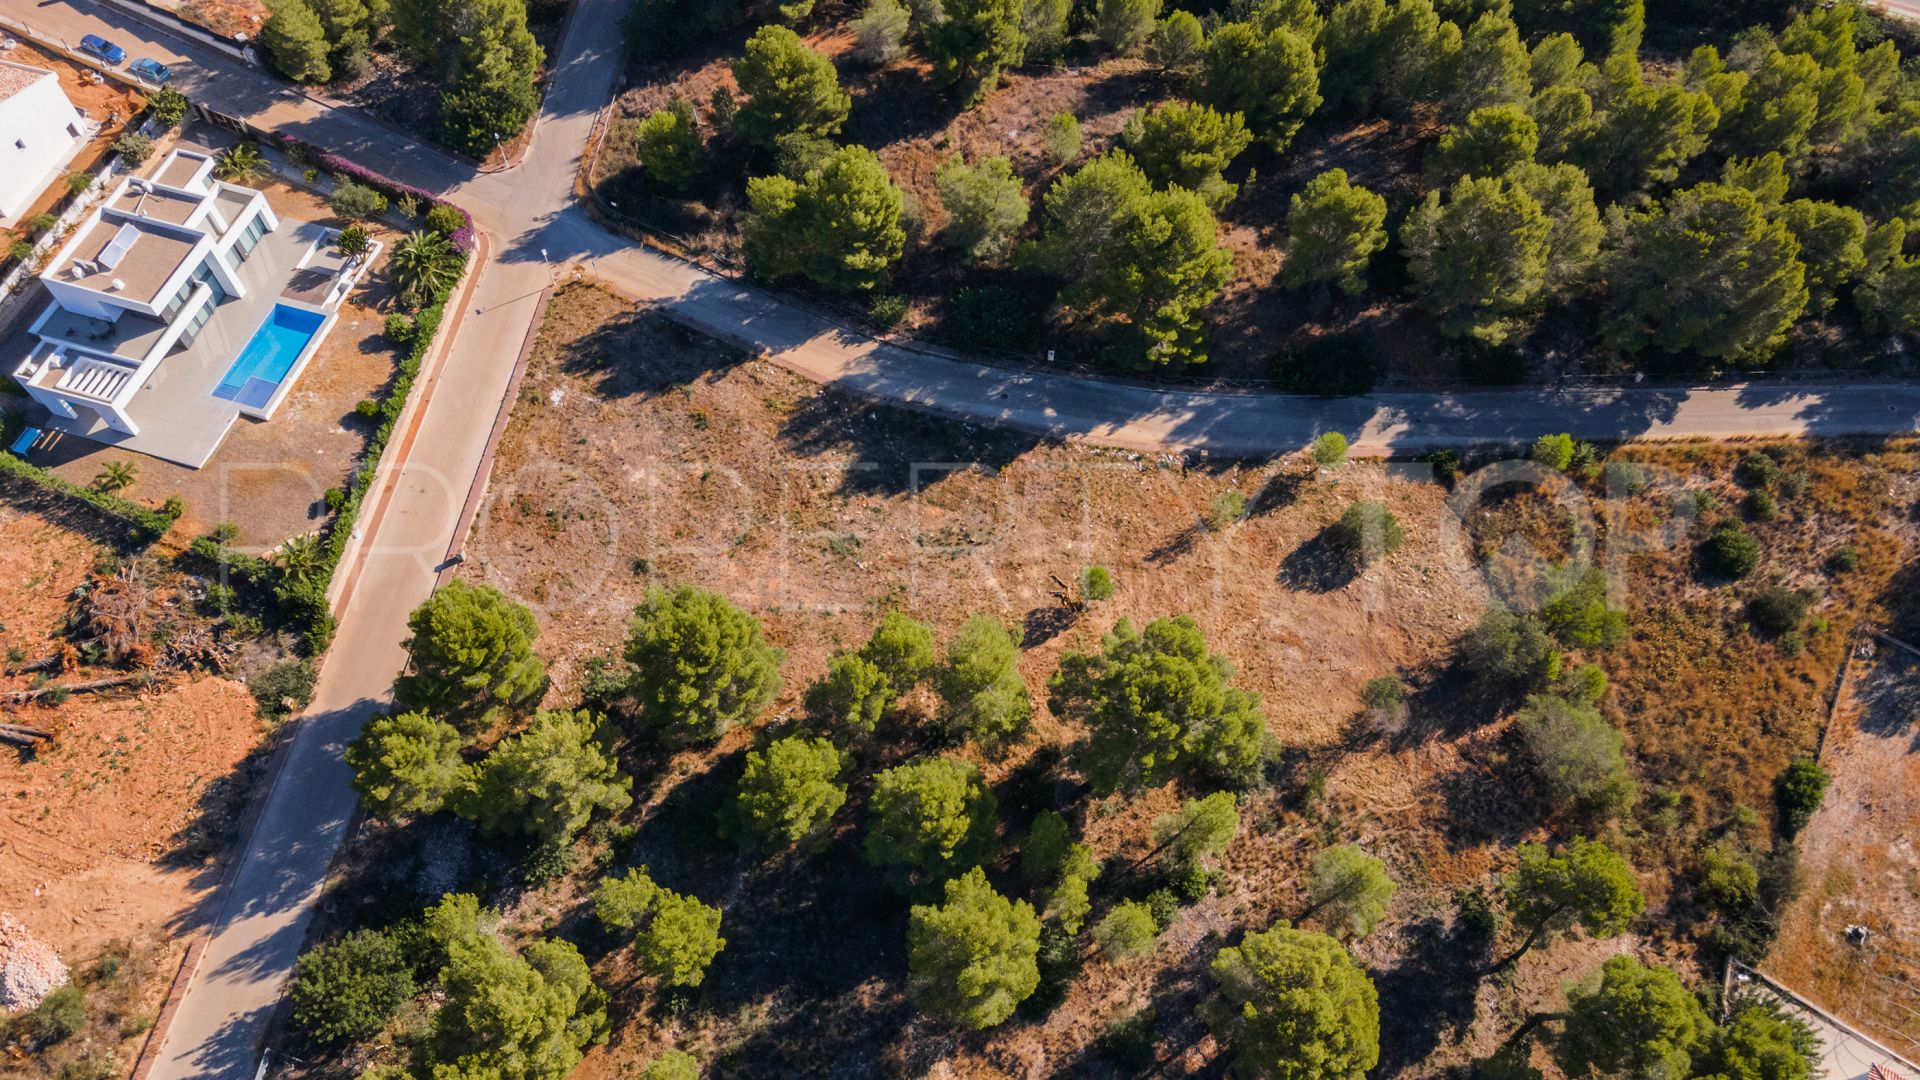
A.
x: 536, y: 228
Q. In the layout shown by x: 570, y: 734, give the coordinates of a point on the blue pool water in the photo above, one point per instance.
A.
x: 270, y: 352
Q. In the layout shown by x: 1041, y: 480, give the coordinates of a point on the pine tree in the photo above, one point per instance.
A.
x: 1478, y: 259
x: 840, y: 225
x: 1294, y: 1003
x: 971, y: 959
x: 1270, y: 78
x: 296, y: 42
x: 1334, y: 229
x: 791, y: 89
x: 976, y: 41
x: 470, y: 657
x: 700, y: 665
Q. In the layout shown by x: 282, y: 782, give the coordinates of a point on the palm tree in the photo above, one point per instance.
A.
x: 240, y: 163
x: 352, y: 242
x: 423, y: 266
x: 300, y: 557
x: 117, y: 476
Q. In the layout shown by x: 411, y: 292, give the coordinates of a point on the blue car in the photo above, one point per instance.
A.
x: 150, y: 71
x: 104, y: 49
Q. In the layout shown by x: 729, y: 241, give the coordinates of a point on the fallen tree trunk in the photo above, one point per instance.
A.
x: 50, y: 663
x: 21, y: 697
x: 22, y: 735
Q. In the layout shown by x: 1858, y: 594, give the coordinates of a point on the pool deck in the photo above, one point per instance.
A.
x: 179, y: 418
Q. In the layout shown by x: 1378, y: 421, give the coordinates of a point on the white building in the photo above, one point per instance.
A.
x: 178, y: 306
x: 40, y: 132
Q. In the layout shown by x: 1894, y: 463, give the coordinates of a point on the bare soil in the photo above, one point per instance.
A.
x: 1859, y: 860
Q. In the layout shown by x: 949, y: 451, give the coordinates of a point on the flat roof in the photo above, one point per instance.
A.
x: 17, y: 77
x: 156, y: 203
x: 233, y: 202
x: 179, y: 168
x: 129, y: 337
x: 143, y: 268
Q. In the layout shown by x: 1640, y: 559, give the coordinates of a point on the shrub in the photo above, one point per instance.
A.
x: 1759, y: 505
x: 1725, y: 880
x: 1126, y: 931
x: 887, y: 310
x: 1061, y: 138
x: 60, y: 1015
x: 669, y: 147
x: 1624, y: 477
x: 1164, y: 907
x: 133, y: 146
x: 283, y: 689
x: 1329, y: 450
x: 357, y: 202
x: 20, y: 250
x: 1096, y: 584
x: 445, y: 220
x: 1332, y: 365
x: 79, y: 182
x: 1367, y: 531
x: 349, y: 989
x: 168, y: 106
x: 1225, y: 509
x: 1128, y: 1039
x: 401, y: 329
x: 366, y: 408
x: 1843, y: 561
x: 1777, y: 610
x: 1553, y: 451
x: 881, y: 30
x: 1756, y: 470
x: 1731, y: 550
x: 352, y: 242
x: 1384, y: 692
x: 1801, y: 787
x: 40, y: 223
x: 672, y: 1065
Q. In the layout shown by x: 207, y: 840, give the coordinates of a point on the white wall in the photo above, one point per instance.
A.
x: 52, y: 131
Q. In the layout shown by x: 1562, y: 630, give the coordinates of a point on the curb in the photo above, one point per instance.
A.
x: 483, y: 475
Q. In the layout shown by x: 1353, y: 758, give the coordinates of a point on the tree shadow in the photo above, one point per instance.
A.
x: 1178, y: 545
x: 1318, y: 565
x: 1043, y: 624
x: 1281, y: 490
x: 895, y: 450
x: 642, y: 353
x: 1426, y: 996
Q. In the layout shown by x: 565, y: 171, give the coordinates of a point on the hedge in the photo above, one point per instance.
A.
x: 152, y: 524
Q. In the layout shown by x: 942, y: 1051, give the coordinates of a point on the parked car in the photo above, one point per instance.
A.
x: 149, y: 70
x: 104, y: 49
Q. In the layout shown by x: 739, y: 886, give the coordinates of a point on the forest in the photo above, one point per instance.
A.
x: 1297, y: 192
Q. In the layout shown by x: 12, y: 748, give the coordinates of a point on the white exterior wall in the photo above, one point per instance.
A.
x: 40, y: 132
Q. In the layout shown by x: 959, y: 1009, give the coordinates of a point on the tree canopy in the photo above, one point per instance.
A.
x: 1294, y: 1003
x: 700, y: 665
x: 789, y: 792
x: 791, y: 89
x: 1350, y: 889
x: 839, y: 225
x: 930, y: 818
x: 547, y: 781
x: 405, y: 764
x: 470, y: 657
x: 971, y: 959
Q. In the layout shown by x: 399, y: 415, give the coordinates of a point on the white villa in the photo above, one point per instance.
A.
x: 179, y: 305
x: 40, y: 132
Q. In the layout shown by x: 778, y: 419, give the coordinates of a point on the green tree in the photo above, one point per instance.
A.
x: 1760, y: 1041
x: 1779, y: 108
x: 880, y: 33
x: 1637, y: 1021
x: 1507, y: 646
x: 1563, y: 118
x: 677, y: 1064
x: 350, y: 988
x: 1479, y: 259
x: 985, y: 207
x: 1833, y: 246
x: 1126, y: 931
x: 971, y: 960
x: 1553, y: 451
x: 1349, y: 889
x: 546, y: 781
x: 1096, y: 584
x: 976, y: 41
x: 852, y: 697
x: 1061, y: 138
x: 1294, y: 1003
x: 1586, y: 884
x: 1155, y: 702
x: 1422, y: 52
x: 1493, y: 69
x: 1367, y: 532
x: 1060, y: 868
x: 470, y: 657
x: 1270, y: 77
x: 676, y: 937
x: 296, y: 42
x: 1178, y: 44
x: 1576, y: 754
x: 791, y: 89
x: 840, y: 225
x: 424, y: 266
x: 1199, y: 831
x: 405, y: 764
x: 669, y: 147
x: 1576, y: 611
x: 789, y: 792
x: 1178, y: 142
x: 1353, y: 45
x: 930, y: 819
x: 902, y: 648
x: 1045, y: 24
x: 1801, y: 787
x: 1706, y: 272
x: 1645, y: 133
x: 485, y: 60
x: 1575, y: 231
x: 1151, y: 259
x: 1491, y: 141
x: 516, y: 1017
x: 980, y: 686
x: 1125, y: 25
x: 1731, y: 550
x: 700, y: 665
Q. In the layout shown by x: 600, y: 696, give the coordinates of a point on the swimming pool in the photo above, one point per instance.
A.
x: 270, y: 353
